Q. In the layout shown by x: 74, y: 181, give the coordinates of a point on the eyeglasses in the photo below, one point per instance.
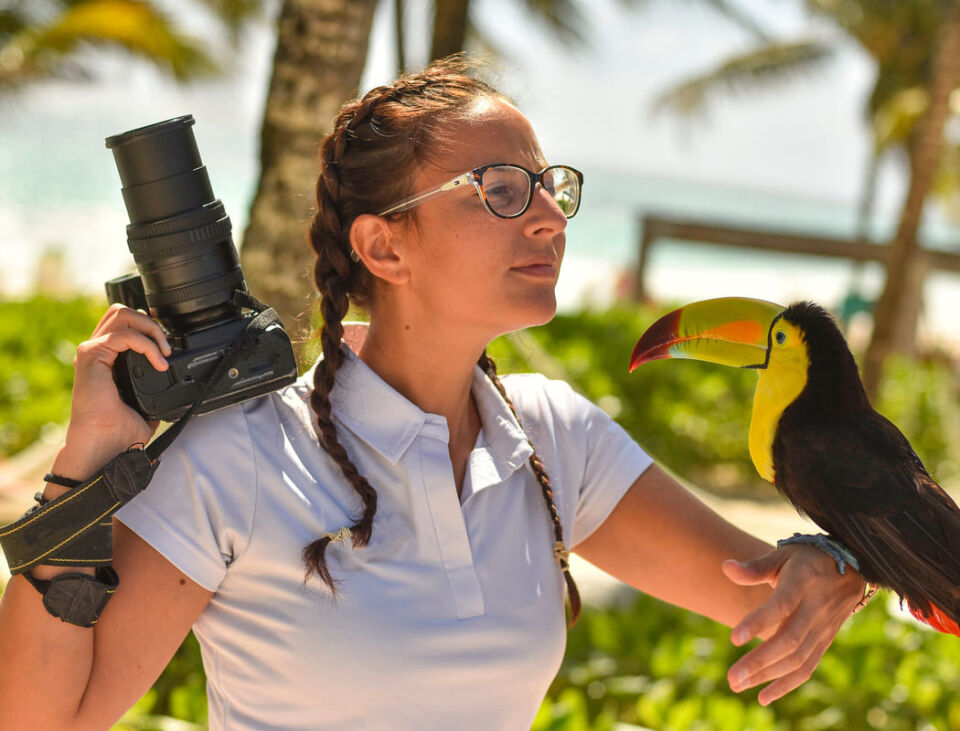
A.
x: 507, y: 190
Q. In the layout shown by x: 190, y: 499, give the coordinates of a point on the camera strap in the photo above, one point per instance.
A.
x: 75, y: 529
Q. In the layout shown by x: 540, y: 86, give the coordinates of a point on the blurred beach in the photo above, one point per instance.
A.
x: 789, y: 162
x: 62, y: 228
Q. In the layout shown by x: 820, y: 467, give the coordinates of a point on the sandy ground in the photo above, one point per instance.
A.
x: 21, y: 477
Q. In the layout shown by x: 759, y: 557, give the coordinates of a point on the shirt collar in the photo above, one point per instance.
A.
x: 389, y: 422
x: 501, y: 430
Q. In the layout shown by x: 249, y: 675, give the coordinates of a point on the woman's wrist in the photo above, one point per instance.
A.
x: 83, y: 454
x: 45, y: 572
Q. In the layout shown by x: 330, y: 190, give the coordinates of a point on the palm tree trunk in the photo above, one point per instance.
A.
x: 895, y: 315
x: 320, y: 55
x: 449, y: 27
x: 399, y: 35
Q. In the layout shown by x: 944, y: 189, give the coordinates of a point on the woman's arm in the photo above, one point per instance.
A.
x: 665, y: 542
x: 59, y: 676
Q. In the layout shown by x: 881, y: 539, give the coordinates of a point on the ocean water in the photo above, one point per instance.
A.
x: 603, y: 242
x: 64, y: 208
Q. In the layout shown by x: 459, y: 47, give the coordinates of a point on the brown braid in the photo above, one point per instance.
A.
x: 365, y: 164
x: 490, y: 368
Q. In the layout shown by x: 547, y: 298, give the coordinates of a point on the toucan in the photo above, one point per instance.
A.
x: 815, y: 436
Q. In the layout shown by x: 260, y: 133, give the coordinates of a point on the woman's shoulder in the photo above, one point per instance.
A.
x: 238, y: 422
x: 536, y: 396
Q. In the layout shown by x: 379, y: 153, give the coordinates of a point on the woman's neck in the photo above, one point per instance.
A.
x: 431, y: 368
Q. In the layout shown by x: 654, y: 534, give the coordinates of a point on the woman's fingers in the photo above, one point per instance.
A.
x: 799, y: 621
x: 765, y: 619
x: 791, y: 681
x: 119, y: 317
x: 787, y: 650
x: 762, y: 570
x: 105, y: 348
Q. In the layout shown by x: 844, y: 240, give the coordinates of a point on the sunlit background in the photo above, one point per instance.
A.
x: 784, y: 154
x: 778, y: 146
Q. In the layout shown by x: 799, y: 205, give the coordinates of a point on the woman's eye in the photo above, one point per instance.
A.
x: 500, y: 192
x: 781, y: 337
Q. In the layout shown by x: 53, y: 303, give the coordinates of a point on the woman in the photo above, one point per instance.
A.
x: 433, y: 524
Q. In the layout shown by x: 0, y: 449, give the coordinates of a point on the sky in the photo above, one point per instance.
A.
x: 593, y: 104
x: 590, y: 106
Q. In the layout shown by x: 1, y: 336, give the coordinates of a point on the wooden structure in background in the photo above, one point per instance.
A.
x: 654, y: 228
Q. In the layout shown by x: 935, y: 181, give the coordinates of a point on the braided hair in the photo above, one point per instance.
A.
x: 391, y: 129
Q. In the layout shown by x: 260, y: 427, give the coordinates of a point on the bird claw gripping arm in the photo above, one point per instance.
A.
x: 830, y: 546
x: 839, y: 553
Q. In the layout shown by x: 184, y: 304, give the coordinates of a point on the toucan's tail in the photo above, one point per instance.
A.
x: 936, y: 618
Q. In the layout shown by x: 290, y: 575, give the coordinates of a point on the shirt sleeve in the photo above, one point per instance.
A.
x: 598, y: 459
x: 198, y: 509
x: 613, y: 463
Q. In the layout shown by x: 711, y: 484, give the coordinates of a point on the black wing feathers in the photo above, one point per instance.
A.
x: 859, y: 479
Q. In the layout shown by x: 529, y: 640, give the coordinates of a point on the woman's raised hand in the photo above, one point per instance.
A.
x: 101, y: 424
x: 799, y: 620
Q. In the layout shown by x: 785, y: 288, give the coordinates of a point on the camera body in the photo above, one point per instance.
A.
x: 263, y: 366
x: 189, y: 270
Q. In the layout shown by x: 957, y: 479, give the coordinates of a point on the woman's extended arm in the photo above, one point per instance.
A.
x: 59, y: 676
x: 664, y: 541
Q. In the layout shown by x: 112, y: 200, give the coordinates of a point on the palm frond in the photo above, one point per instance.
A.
x: 894, y: 122
x: 235, y: 13
x: 731, y: 11
x: 135, y: 26
x: 765, y: 66
x: 11, y: 22
x: 564, y: 18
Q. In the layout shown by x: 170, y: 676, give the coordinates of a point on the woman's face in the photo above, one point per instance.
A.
x: 491, y: 275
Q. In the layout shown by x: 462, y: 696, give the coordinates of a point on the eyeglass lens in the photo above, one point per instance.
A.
x: 507, y: 189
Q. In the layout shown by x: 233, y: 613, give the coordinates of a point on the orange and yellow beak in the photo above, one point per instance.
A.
x: 731, y: 331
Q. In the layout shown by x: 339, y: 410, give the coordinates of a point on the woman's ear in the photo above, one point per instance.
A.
x: 375, y: 243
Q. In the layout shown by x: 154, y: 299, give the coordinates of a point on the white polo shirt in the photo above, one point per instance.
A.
x: 451, y: 618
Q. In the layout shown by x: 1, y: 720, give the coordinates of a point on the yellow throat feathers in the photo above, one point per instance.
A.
x: 778, y: 386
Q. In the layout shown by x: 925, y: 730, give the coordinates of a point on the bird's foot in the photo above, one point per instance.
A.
x: 830, y: 546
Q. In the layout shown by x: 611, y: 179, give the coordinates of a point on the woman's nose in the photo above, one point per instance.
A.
x: 544, y: 215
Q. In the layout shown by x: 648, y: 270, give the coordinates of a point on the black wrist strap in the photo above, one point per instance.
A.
x: 77, y: 598
x: 46, y: 533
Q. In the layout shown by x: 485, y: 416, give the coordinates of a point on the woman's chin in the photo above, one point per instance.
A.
x: 537, y: 312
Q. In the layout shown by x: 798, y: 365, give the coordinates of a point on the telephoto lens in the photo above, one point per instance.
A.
x: 190, y: 280
x: 179, y: 234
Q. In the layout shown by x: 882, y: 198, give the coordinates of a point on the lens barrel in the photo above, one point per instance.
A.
x: 179, y: 234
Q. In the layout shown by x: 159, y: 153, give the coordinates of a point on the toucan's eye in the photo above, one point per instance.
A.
x: 781, y: 337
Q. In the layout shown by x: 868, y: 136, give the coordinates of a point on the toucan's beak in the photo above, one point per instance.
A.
x: 730, y: 330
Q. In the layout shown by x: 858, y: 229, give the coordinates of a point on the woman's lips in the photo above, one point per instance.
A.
x: 538, y: 270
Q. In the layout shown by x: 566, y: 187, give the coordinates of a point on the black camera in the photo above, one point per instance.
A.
x: 180, y: 238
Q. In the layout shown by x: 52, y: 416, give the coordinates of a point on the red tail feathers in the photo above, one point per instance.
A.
x: 936, y: 619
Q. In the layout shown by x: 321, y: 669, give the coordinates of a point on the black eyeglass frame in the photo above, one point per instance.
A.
x: 475, y: 177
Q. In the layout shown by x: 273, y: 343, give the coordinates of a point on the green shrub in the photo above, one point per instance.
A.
x: 646, y: 664
x: 651, y: 665
x: 694, y: 417
x: 38, y: 339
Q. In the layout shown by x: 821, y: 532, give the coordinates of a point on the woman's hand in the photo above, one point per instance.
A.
x: 799, y: 620
x: 101, y: 424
